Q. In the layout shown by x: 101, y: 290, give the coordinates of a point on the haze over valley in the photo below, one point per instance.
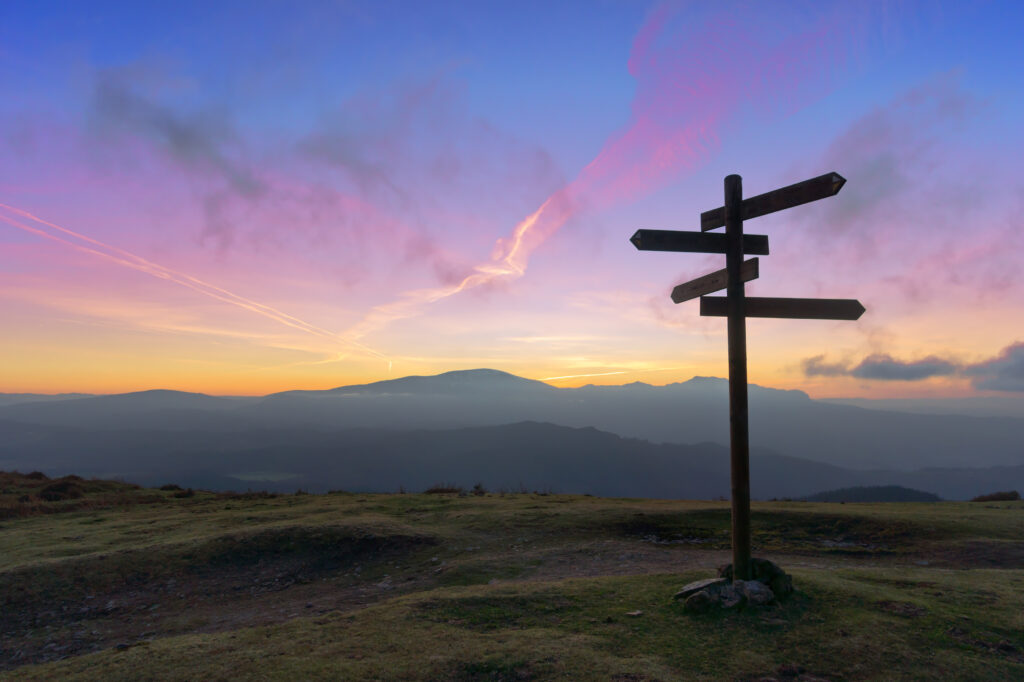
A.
x: 505, y: 432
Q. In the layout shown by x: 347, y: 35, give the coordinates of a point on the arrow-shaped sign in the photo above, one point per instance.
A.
x: 823, y: 186
x: 674, y: 240
x: 716, y: 281
x: 795, y: 308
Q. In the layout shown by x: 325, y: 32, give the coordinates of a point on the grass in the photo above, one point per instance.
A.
x: 503, y: 587
x: 839, y: 627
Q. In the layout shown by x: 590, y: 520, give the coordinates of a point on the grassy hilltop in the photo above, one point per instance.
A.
x: 101, y: 580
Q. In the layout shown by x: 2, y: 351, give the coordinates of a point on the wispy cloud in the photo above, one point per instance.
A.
x: 34, y: 225
x: 559, y: 339
x: 631, y: 370
x: 817, y: 367
x: 689, y: 81
x: 915, y: 223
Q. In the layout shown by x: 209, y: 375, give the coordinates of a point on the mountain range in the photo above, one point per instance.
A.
x: 507, y: 432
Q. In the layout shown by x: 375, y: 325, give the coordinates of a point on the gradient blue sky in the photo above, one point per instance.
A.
x: 303, y: 195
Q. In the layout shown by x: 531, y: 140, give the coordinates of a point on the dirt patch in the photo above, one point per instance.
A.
x: 800, y: 532
x: 976, y: 554
x: 836, y: 534
x: 228, y: 583
x: 789, y: 672
x: 902, y: 608
x: 702, y: 528
x: 992, y: 644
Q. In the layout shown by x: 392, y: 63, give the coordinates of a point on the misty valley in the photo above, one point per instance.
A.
x: 503, y: 432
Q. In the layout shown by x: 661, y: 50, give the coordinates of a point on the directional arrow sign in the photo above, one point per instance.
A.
x: 796, y: 308
x: 823, y: 186
x: 716, y: 281
x: 674, y: 240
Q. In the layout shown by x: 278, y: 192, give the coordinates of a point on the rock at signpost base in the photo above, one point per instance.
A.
x: 767, y: 573
x: 756, y: 593
x: 730, y: 598
x: 699, y: 602
x: 709, y: 584
x: 769, y: 582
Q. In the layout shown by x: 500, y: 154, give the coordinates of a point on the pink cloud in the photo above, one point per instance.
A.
x: 691, y: 78
x: 378, y: 192
x: 917, y: 223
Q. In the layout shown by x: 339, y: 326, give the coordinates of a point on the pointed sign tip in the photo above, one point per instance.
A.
x: 837, y: 182
x: 635, y: 239
x: 862, y: 310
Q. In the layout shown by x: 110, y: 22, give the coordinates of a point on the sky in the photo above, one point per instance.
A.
x: 249, y: 197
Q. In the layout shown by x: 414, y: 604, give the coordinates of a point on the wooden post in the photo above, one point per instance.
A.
x: 737, y: 307
x: 739, y: 433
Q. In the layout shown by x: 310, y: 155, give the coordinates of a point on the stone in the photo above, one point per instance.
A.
x: 766, y: 572
x: 706, y: 584
x: 755, y: 592
x: 699, y: 602
x: 729, y: 597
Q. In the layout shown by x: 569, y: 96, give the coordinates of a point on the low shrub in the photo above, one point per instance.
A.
x: 443, y: 488
x: 250, y: 495
x: 1006, y: 496
x: 66, y: 488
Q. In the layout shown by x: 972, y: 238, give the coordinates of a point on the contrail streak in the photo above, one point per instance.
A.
x: 605, y: 374
x: 512, y: 263
x: 135, y: 262
x: 688, y: 84
x: 577, y: 376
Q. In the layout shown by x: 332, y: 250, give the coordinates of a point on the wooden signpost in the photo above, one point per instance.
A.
x: 695, y: 242
x: 716, y: 281
x: 800, y: 308
x: 736, y: 307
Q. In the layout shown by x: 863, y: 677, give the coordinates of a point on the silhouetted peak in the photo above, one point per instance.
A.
x: 717, y: 383
x: 155, y: 393
x: 454, y: 382
x: 704, y: 381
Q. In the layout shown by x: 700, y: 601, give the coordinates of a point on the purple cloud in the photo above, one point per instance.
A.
x: 886, y: 368
x: 1005, y: 372
x: 817, y: 367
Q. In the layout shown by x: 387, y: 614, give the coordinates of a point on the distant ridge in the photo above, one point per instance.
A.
x: 155, y: 408
x: 787, y: 422
x: 874, y: 493
x: 457, y: 381
x: 18, y: 398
